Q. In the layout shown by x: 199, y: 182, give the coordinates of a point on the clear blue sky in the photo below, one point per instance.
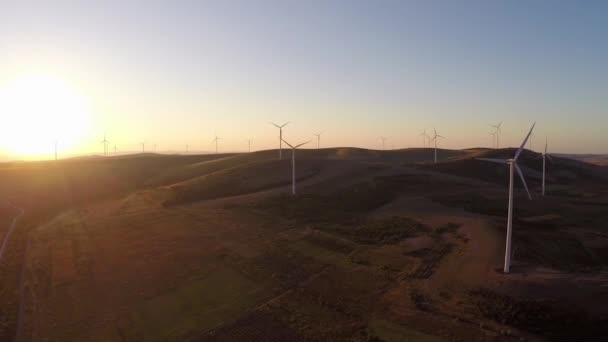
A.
x: 175, y: 72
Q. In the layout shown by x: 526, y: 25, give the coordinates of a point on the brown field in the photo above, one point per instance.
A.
x: 376, y: 246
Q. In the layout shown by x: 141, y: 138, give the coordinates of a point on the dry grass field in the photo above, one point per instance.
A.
x: 376, y: 246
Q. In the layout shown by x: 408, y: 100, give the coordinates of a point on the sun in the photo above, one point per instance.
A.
x: 37, y: 111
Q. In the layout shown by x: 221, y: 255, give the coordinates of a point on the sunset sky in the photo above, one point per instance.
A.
x: 173, y: 73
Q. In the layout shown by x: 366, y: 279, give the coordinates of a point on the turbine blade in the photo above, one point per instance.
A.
x: 521, y: 148
x: 523, y: 180
x: 277, y: 126
x: 494, y: 160
x: 288, y: 144
x: 285, y: 124
x: 302, y: 144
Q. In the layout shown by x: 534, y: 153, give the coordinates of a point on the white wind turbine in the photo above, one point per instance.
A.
x: 56, y: 149
x: 383, y: 142
x: 434, y: 138
x: 425, y: 138
x: 280, y: 137
x: 318, y: 135
x: 249, y: 142
x: 498, y: 132
x: 493, y: 134
x: 216, y: 140
x: 545, y: 156
x: 512, y: 167
x: 143, y: 146
x: 105, y: 143
x: 293, y: 165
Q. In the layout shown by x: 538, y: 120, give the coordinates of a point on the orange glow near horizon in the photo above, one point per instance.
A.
x: 39, y: 110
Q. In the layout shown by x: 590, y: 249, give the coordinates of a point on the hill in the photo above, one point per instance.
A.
x: 377, y: 245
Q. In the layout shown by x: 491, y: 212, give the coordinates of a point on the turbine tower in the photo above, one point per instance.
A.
x: 498, y: 132
x: 293, y: 165
x: 425, y: 138
x: 249, y: 141
x: 105, y: 145
x: 280, y: 137
x: 318, y: 135
x: 55, y: 149
x: 512, y: 167
x: 493, y: 134
x: 545, y: 156
x: 434, y: 138
x: 383, y: 142
x: 215, y: 140
x: 143, y: 147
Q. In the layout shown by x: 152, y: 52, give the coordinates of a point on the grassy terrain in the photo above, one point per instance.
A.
x: 137, y: 248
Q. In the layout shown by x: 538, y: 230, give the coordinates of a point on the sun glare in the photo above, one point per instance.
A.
x: 38, y: 111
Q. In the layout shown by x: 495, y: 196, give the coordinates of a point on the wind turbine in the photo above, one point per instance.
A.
x: 493, y: 134
x: 143, y: 146
x: 249, y: 142
x: 434, y: 138
x: 293, y: 165
x: 318, y: 135
x: 512, y: 167
x: 55, y: 149
x: 280, y: 137
x: 425, y: 138
x: 216, y: 141
x: 105, y: 145
x: 530, y: 146
x: 383, y: 142
x: 498, y: 133
x: 545, y: 156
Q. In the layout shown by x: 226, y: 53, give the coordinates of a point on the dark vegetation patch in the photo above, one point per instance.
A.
x: 381, y: 231
x: 254, y: 327
x: 431, y: 257
x: 555, y: 320
x: 341, y: 205
x: 474, y: 202
x: 331, y: 243
x: 562, y: 251
x: 248, y: 178
x: 284, y: 266
x: 344, y: 212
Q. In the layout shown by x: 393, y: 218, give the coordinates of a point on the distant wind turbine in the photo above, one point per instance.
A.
x: 293, y: 164
x: 425, y: 138
x: 280, y: 137
x: 249, y: 143
x: 383, y: 142
x: 530, y: 141
x: 434, y: 138
x: 105, y: 145
x: 55, y: 149
x: 512, y: 167
x: 143, y: 147
x: 318, y: 135
x: 545, y: 156
x: 498, y: 133
x: 493, y: 134
x: 216, y: 140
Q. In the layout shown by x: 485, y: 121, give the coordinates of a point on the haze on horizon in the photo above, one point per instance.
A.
x: 176, y: 73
